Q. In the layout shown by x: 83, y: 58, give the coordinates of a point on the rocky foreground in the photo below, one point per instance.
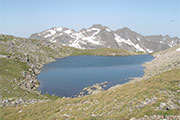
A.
x: 154, y: 96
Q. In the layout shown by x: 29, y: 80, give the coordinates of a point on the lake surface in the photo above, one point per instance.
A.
x: 68, y: 76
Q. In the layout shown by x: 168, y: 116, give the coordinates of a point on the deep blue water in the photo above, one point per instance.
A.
x: 68, y: 76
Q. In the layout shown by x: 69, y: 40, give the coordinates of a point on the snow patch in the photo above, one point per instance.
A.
x: 92, y: 38
x: 78, y: 39
x: 138, y: 47
x: 60, y: 34
x: 119, y: 40
x: 50, y: 33
x: 68, y: 31
x: 178, y: 50
x: 81, y: 39
x: 92, y: 29
x: 76, y: 44
x: 108, y: 30
x: 89, y: 30
x: 149, y: 51
x: 95, y: 29
x: 59, y: 29
x: 161, y: 42
x: 138, y: 39
x: 170, y: 45
x: 53, y: 41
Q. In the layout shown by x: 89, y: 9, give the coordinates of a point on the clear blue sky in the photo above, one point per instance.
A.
x: 24, y: 17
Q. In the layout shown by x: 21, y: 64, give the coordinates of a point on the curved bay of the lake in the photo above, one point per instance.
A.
x: 66, y: 77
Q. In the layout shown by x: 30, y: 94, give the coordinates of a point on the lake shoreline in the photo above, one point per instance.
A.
x: 96, y: 84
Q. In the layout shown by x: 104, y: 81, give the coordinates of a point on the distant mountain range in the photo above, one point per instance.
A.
x: 99, y: 36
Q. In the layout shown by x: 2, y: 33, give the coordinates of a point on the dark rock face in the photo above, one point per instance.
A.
x: 99, y: 36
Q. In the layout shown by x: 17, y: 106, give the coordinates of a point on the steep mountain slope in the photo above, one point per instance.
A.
x: 99, y: 36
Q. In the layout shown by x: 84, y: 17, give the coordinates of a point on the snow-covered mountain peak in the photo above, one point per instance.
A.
x: 99, y: 36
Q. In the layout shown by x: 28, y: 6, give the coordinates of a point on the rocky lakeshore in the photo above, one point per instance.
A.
x: 89, y: 90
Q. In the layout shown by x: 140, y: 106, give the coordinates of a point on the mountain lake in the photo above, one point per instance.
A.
x: 67, y: 77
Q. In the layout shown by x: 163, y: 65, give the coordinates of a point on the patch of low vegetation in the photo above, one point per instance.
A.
x: 103, y: 52
x: 6, y: 38
x: 10, y: 75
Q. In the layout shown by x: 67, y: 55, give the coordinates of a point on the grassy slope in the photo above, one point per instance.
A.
x: 103, y: 51
x: 116, y: 103
x: 9, y: 70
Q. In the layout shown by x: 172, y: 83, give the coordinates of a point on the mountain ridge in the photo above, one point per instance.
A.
x: 99, y: 36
